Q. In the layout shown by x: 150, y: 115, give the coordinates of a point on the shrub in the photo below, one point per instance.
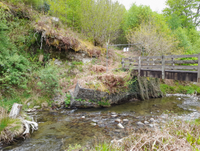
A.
x: 47, y: 80
x: 13, y: 67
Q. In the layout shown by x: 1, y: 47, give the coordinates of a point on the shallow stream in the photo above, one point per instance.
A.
x: 58, y: 129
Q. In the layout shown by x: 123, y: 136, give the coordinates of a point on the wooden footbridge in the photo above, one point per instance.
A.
x: 177, y: 67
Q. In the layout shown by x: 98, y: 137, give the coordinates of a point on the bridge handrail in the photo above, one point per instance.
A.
x: 161, y: 62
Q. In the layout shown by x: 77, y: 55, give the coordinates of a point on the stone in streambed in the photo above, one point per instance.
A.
x: 93, y: 124
x: 125, y: 120
x: 140, y: 124
x: 114, y: 115
x: 36, y: 107
x: 118, y: 120
x: 151, y: 125
x: 44, y: 105
x: 120, y: 126
x: 152, y: 120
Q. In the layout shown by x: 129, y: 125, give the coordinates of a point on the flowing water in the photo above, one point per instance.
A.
x: 58, y: 129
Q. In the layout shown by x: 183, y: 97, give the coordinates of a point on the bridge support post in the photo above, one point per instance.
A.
x: 163, y: 67
x: 198, y: 70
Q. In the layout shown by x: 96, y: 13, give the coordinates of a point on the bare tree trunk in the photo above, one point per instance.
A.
x: 15, y: 111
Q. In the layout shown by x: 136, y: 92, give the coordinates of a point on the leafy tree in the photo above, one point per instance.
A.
x: 186, y: 10
x: 173, y: 21
x: 101, y: 19
x: 68, y: 11
x: 183, y: 38
x: 137, y: 15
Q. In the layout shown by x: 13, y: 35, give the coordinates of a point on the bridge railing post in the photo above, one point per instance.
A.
x: 123, y: 63
x: 163, y: 67
x: 198, y: 70
x: 172, y: 63
x: 139, y: 66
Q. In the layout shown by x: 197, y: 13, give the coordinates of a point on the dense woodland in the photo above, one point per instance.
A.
x: 99, y: 22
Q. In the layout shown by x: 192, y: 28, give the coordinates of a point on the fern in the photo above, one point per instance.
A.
x: 13, y: 67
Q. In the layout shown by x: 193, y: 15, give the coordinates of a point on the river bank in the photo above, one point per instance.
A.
x: 85, y: 127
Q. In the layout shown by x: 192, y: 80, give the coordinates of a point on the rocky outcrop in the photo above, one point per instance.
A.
x: 142, y: 88
x: 82, y: 98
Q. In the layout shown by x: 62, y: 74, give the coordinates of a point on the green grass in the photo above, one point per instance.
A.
x: 4, y: 123
x: 104, y: 147
x: 7, y: 103
x: 178, y: 88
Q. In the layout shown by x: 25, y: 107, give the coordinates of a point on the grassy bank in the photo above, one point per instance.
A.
x: 174, y: 86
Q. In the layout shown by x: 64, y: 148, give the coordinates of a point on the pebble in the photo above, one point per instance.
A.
x: 151, y: 125
x: 114, y: 115
x: 83, y: 117
x: 93, y: 124
x: 146, y: 122
x: 31, y: 110
x: 36, y: 107
x: 117, y: 120
x: 164, y: 116
x: 120, y: 126
x: 140, y: 124
x: 125, y: 120
x: 152, y: 120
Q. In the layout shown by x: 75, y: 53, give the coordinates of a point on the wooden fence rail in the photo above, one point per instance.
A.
x: 163, y: 63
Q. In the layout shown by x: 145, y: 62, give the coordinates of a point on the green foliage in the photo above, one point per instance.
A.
x: 104, y: 147
x: 174, y: 21
x: 44, y: 8
x: 178, y: 88
x: 47, y: 80
x: 136, y: 15
x: 104, y: 103
x: 13, y: 67
x: 68, y: 99
x: 75, y: 147
x: 183, y: 38
x: 101, y: 20
x: 187, y: 10
x: 67, y: 11
x: 4, y: 123
x: 33, y: 3
x: 20, y: 30
x: 7, y: 103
